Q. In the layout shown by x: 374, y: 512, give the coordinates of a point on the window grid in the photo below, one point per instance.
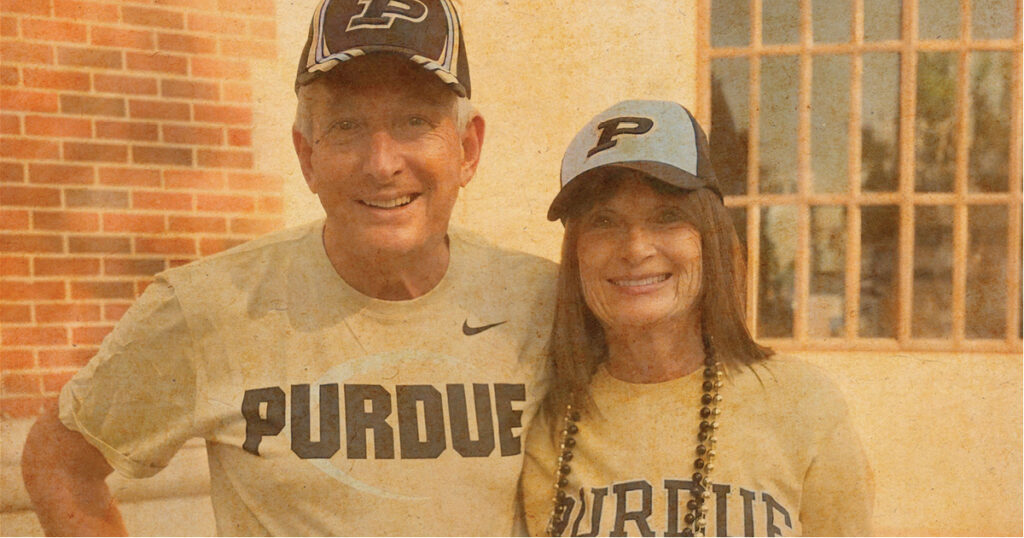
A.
x: 854, y: 199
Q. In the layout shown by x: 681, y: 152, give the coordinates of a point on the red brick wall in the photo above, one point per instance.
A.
x: 125, y: 149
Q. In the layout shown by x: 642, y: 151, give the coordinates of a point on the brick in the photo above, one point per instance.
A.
x: 14, y: 219
x: 10, y: 124
x: 29, y: 196
x: 90, y: 57
x: 218, y: 68
x: 224, y: 158
x: 255, y: 226
x: 266, y: 29
x: 85, y: 151
x: 211, y: 245
x: 29, y: 149
x: 58, y: 126
x: 15, y: 313
x: 22, y: 406
x: 55, y: 79
x: 114, y: 311
x: 134, y: 177
x: 87, y: 11
x: 215, y: 23
x: 52, y: 30
x: 124, y: 84
x: 240, y: 137
x: 200, y: 5
x: 102, y: 290
x: 251, y: 8
x: 156, y: 17
x: 92, y: 106
x: 29, y: 101
x: 119, y: 222
x: 162, y: 155
x: 231, y: 115
x: 67, y: 312
x: 133, y: 266
x: 8, y: 26
x: 270, y: 204
x: 33, y: 291
x: 189, y: 43
x: 212, y: 225
x: 225, y: 203
x: 11, y: 266
x: 65, y: 358
x: 122, y: 38
x: 159, y: 110
x: 236, y: 92
x: 159, y: 62
x: 20, y: 52
x: 127, y: 130
x: 165, y: 245
x: 95, y: 198
x: 10, y: 242
x: 60, y: 173
x: 174, y: 201
x: 54, y: 381
x: 198, y: 136
x: 25, y: 7
x: 209, y: 180
x: 63, y: 266
x: 9, y: 76
x: 16, y: 359
x: 141, y: 285
x: 19, y: 383
x: 14, y: 173
x: 189, y: 89
x: 71, y: 221
x: 99, y: 245
x: 175, y: 262
x: 248, y: 48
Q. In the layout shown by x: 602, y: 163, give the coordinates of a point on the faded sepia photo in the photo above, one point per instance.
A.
x: 867, y: 152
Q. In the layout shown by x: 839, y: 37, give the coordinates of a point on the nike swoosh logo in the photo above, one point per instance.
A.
x: 470, y: 331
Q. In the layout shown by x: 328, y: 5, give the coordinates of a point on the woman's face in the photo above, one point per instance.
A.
x: 640, y: 261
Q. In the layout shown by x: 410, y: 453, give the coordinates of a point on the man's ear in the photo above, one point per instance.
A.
x: 472, y: 142
x: 304, y: 151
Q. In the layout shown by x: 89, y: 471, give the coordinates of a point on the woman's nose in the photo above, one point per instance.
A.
x: 638, y: 245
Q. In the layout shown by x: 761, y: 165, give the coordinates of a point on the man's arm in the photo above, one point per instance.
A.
x: 65, y: 477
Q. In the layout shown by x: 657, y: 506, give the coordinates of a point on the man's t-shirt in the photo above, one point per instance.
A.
x: 324, y: 411
x: 788, y: 461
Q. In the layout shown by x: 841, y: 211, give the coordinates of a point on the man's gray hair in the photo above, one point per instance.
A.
x: 463, y: 112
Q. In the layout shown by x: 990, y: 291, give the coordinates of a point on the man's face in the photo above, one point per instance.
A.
x: 385, y: 156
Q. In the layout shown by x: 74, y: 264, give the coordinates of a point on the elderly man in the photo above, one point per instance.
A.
x: 366, y: 374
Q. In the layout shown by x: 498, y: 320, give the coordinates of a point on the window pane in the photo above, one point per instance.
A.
x: 935, y: 140
x: 938, y: 19
x: 879, y: 236
x: 830, y: 111
x: 831, y: 19
x: 730, y: 127
x: 989, y: 128
x: 985, y: 303
x: 880, y: 122
x: 828, y: 253
x: 730, y: 23
x: 779, y: 98
x: 992, y: 19
x: 780, y: 21
x: 933, y: 272
x: 775, y: 289
x: 882, y: 19
x: 739, y: 221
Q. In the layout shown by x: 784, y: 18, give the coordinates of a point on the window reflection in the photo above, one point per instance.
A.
x: 935, y: 124
x: 780, y: 21
x: 933, y: 272
x: 992, y: 19
x: 938, y: 19
x: 775, y: 293
x: 831, y: 20
x: 830, y: 109
x: 730, y: 24
x: 985, y: 303
x: 828, y: 263
x: 730, y: 128
x: 882, y: 19
x: 989, y: 128
x: 778, y: 129
x: 879, y: 259
x: 880, y: 122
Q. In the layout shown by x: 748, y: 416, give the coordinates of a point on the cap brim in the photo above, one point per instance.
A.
x: 664, y: 172
x: 326, y: 66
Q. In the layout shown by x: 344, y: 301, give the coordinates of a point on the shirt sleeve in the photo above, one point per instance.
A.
x: 838, y: 492
x: 135, y: 400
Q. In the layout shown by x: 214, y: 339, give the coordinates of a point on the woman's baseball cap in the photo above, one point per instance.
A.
x: 659, y: 138
x: 427, y: 32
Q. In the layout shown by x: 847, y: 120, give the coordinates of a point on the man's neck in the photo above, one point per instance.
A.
x: 384, y: 275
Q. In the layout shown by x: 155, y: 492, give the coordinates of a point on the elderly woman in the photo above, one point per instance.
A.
x: 666, y: 417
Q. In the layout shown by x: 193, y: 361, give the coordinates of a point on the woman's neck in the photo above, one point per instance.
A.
x: 653, y: 354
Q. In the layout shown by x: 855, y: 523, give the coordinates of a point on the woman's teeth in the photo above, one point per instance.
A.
x: 641, y: 282
x: 388, y: 204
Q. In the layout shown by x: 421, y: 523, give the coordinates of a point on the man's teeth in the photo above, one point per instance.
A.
x: 642, y: 281
x: 388, y: 204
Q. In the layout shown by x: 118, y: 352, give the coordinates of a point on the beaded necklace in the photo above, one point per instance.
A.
x: 696, y: 515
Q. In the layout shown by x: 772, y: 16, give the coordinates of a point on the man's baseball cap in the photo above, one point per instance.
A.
x: 659, y: 138
x: 425, y: 31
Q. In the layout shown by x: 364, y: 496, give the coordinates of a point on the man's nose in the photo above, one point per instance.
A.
x: 384, y: 156
x: 638, y: 245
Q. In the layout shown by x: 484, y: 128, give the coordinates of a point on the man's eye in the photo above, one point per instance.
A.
x: 344, y: 125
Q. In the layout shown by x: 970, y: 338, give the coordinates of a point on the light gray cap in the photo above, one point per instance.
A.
x: 659, y: 138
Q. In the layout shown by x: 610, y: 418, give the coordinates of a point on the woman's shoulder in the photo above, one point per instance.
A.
x: 793, y: 385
